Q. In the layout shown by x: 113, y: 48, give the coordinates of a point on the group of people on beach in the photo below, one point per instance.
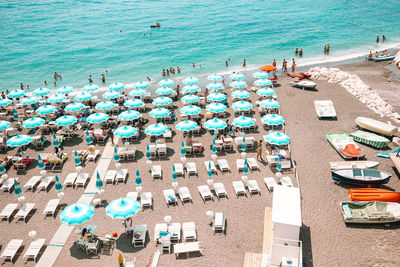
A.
x: 171, y: 70
x: 385, y: 53
x: 326, y: 49
x: 298, y: 52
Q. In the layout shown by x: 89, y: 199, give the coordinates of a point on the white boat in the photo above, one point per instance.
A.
x: 353, y: 164
x: 325, y: 109
x: 345, y: 145
x: 304, y: 84
x: 376, y: 126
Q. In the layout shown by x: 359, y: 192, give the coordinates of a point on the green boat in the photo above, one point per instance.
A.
x: 370, y: 139
x: 370, y: 212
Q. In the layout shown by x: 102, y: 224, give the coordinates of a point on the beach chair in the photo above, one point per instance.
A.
x: 219, y: 222
x: 191, y: 168
x: 162, y: 151
x: 93, y: 155
x: 70, y: 179
x: 24, y: 211
x: 253, y: 165
x: 8, y: 210
x: 223, y: 165
x: 51, y: 207
x: 156, y: 172
x: 286, y: 166
x: 197, y: 149
x: 205, y: 192
x: 160, y: 230
x: 110, y: 176
x: 133, y: 195
x: 179, y: 169
x: 45, y: 184
x: 170, y: 198
x: 175, y: 231
x: 8, y: 185
x: 146, y: 200
x: 239, y: 188
x: 207, y: 165
x: 286, y: 181
x: 253, y: 187
x: 270, y: 182
x: 121, y: 175
x: 219, y: 190
x: 189, y: 231
x: 11, y: 249
x: 184, y: 194
x: 240, y: 164
x: 30, y: 185
x: 81, y: 179
x: 34, y: 248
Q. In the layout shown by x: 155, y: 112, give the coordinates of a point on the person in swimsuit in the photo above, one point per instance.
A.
x: 259, y: 150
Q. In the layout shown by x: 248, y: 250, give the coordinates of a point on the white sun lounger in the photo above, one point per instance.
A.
x: 93, y: 155
x: 270, y: 182
x: 70, y: 179
x: 179, y: 169
x: 8, y: 211
x: 240, y: 164
x: 253, y: 187
x: 121, y: 175
x: 286, y: 181
x: 8, y: 185
x: 159, y: 227
x: 133, y: 195
x: 253, y: 165
x: 146, y: 200
x: 219, y: 222
x: 191, y: 168
x: 220, y: 191
x: 110, y: 176
x: 51, y: 207
x: 156, y: 172
x: 189, y: 231
x: 205, y: 192
x: 184, y: 194
x: 30, y: 185
x: 325, y: 109
x: 11, y: 249
x: 45, y: 183
x: 24, y: 211
x: 34, y: 248
x: 239, y: 188
x: 81, y: 179
x: 223, y: 165
x: 207, y: 165
x: 175, y: 230
x: 170, y: 198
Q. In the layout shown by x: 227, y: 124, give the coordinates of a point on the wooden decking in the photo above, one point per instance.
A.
x: 253, y: 260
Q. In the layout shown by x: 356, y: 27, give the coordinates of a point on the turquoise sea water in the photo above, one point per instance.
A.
x: 82, y: 38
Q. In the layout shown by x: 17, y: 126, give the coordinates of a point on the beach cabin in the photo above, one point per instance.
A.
x: 286, y: 248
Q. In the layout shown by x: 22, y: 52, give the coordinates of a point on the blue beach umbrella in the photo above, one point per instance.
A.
x: 263, y: 82
x: 90, y: 88
x: 97, y: 118
x: 187, y: 99
x: 162, y: 101
x: 166, y: 82
x: 33, y: 122
x: 209, y: 172
x: 134, y: 103
x: 148, y: 154
x: 4, y: 125
x: 237, y: 76
x: 186, y: 125
x: 265, y: 92
x: 164, y: 91
x: 99, y: 182
x: 41, y: 91
x: 159, y: 113
x: 277, y: 138
x: 156, y: 129
x: 215, y: 77
x: 4, y: 102
x: 245, y: 168
x: 190, y: 89
x: 213, y: 146
x: 105, y: 105
x: 241, y: 94
x: 83, y: 96
x: 129, y: 115
x: 45, y: 110
x: 141, y: 85
x: 138, y: 180
x: 215, y: 124
x: 116, y: 156
x: 29, y: 100
x: 238, y: 84
x: 56, y: 143
x: 243, y: 147
x: 116, y: 86
x: 66, y: 120
x: 269, y: 104
x: 216, y: 107
x: 74, y: 107
x: 190, y: 110
x: 15, y: 115
x: 260, y: 75
x: 40, y: 162
x: 58, y: 186
x: 17, y: 188
x: 243, y: 121
x: 272, y: 119
x: 111, y: 94
x: 174, y: 175
x: 16, y: 93
x: 65, y: 90
x: 191, y: 80
x: 122, y: 208
x: 218, y: 97
x: 183, y: 150
x: 215, y: 86
x: 77, y: 160
x: 77, y: 213
x: 57, y: 98
x: 137, y: 92
x: 88, y: 139
x: 126, y: 131
x: 2, y: 169
x: 242, y: 105
x: 19, y: 140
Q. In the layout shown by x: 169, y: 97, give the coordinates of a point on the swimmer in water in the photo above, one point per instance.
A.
x: 244, y: 62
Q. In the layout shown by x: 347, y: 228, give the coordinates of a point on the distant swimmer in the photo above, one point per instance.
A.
x: 328, y: 48
x: 296, y: 51
x: 103, y: 78
x: 148, y: 79
x: 226, y: 63
x: 45, y: 82
x: 163, y: 73
x: 383, y: 38
x: 22, y: 86
x: 377, y: 39
x: 274, y: 63
x: 90, y: 79
x: 178, y: 69
x: 244, y: 62
x: 301, y: 52
x: 324, y: 49
x: 56, y: 75
x: 167, y: 72
x: 120, y: 30
x: 55, y: 84
x: 193, y: 65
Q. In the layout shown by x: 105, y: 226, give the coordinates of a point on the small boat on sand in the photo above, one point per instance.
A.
x: 376, y: 126
x: 345, y: 145
x: 395, y: 158
x: 370, y: 139
x: 353, y: 164
x: 370, y: 212
x: 373, y: 194
x: 382, y: 58
x: 360, y: 176
x: 304, y: 84
x: 155, y: 25
x: 325, y: 109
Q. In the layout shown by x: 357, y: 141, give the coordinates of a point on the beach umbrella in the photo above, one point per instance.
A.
x: 166, y: 82
x: 213, y: 146
x: 116, y: 156
x: 33, y: 122
x: 40, y: 162
x: 97, y: 117
x: 111, y: 94
x: 183, y: 150
x: 260, y: 75
x: 134, y: 103
x: 4, y: 125
x: 4, y: 102
x: 269, y: 104
x: 215, y: 77
x: 46, y: 109
x: 190, y: 110
x: 215, y: 124
x: 265, y: 92
x: 240, y: 94
x: 164, y: 91
x: 122, y: 208
x: 216, y: 107
x: 77, y: 213
x: 77, y: 159
x: 216, y: 97
x: 126, y: 131
x: 17, y: 188
x: 190, y: 99
x: 138, y: 180
x: 56, y: 143
x: 190, y: 89
x: 105, y: 105
x: 83, y: 96
x: 29, y: 100
x: 238, y: 84
x: 66, y: 120
x: 191, y: 80
x: 174, y: 175
x: 186, y: 125
x: 19, y: 140
x: 215, y: 86
x: 268, y: 68
x: 159, y: 113
x: 209, y: 172
x: 141, y: 85
x: 99, y: 182
x: 116, y: 86
x: 74, y: 107
x: 41, y: 91
x: 56, y: 98
x: 2, y: 169
x: 65, y: 90
x: 137, y: 92
x: 58, y: 186
x: 237, y: 76
x: 156, y: 129
x: 272, y: 119
x: 129, y: 115
x: 245, y: 168
x: 263, y: 82
x: 162, y: 101
x: 88, y: 139
x: 16, y: 93
x: 148, y: 154
x: 243, y: 121
x: 90, y: 88
x: 277, y: 138
x: 242, y: 105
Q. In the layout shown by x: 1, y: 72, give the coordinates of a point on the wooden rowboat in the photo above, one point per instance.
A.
x: 360, y: 176
x: 353, y: 164
x: 376, y: 126
x: 370, y: 139
x: 370, y: 212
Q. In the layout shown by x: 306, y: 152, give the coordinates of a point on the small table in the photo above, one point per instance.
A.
x: 186, y: 248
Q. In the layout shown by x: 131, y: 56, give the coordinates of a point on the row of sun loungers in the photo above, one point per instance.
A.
x: 116, y: 176
x: 14, y: 246
x: 22, y: 213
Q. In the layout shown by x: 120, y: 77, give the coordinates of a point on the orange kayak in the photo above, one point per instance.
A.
x: 373, y: 194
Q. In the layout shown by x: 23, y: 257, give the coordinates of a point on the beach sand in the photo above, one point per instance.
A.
x: 327, y: 241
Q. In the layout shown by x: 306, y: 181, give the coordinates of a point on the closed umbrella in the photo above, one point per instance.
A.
x: 116, y: 86
x: 243, y: 121
x: 191, y: 80
x: 174, y: 175
x: 16, y: 93
x: 137, y: 92
x: 238, y: 84
x: 159, y: 113
x: 209, y: 172
x: 273, y: 119
x: 265, y: 92
x: 277, y: 138
x: 41, y: 91
x: 166, y: 82
x: 156, y: 129
x: 77, y: 160
x: 4, y: 102
x: 126, y: 131
x: 116, y: 156
x: 215, y: 86
x: 111, y: 94
x: 260, y: 75
x: 29, y: 100
x: 66, y: 120
x: 77, y: 213
x: 218, y: 97
x: 129, y: 115
x: 122, y: 208
x: 240, y: 94
x: 245, y: 168
x: 45, y: 110
x: 88, y: 139
x: 2, y: 169
x: 40, y: 162
x: 56, y: 143
x: 58, y: 186
x: 215, y: 124
x: 141, y: 85
x: 83, y: 96
x: 162, y: 101
x: 74, y: 107
x: 164, y: 91
x: 15, y: 115
x: 97, y: 118
x: 65, y: 90
x: 190, y: 110
x: 237, y: 76
x: 17, y: 188
x: 215, y: 77
x: 90, y: 88
x: 57, y: 98
x: 263, y: 82
x: 216, y: 107
x: 99, y: 182
x: 134, y: 103
x: 138, y: 180
x: 186, y: 125
x: 19, y: 140
x: 242, y: 105
x: 105, y: 105
x: 187, y: 99
x: 4, y: 125
x: 33, y: 122
x: 269, y: 104
x: 190, y: 89
x: 183, y: 150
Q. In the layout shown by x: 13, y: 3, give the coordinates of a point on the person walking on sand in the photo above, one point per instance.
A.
x: 293, y: 65
x: 244, y: 62
x: 259, y: 150
x: 111, y: 134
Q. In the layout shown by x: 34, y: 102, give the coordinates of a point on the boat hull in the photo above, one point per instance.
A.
x: 340, y: 176
x: 373, y: 194
x: 378, y: 59
x: 383, y: 217
x: 353, y: 164
x: 376, y: 126
x: 370, y: 139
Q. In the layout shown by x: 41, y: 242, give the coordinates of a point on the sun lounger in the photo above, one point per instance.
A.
x: 24, y: 211
x: 11, y: 249
x: 223, y: 165
x: 170, y: 198
x: 286, y: 181
x: 253, y: 165
x: 70, y: 179
x: 270, y: 182
x: 184, y: 194
x: 8, y: 185
x: 159, y: 228
x: 93, y: 155
x: 219, y: 222
x: 146, y: 200
x: 30, y: 185
x: 45, y: 183
x: 191, y: 168
x: 205, y: 192
x: 240, y: 164
x: 220, y: 191
x: 175, y: 230
x: 8, y: 211
x: 207, y: 165
x: 187, y: 248
x: 189, y: 231
x: 179, y: 169
x: 51, y: 207
x: 81, y: 180
x: 121, y: 175
x: 34, y: 248
x: 156, y: 172
x: 239, y: 188
x: 133, y: 195
x: 253, y: 187
x: 110, y: 176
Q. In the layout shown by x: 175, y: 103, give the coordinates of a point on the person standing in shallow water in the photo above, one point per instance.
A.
x: 274, y: 63
x: 226, y: 63
x: 103, y: 78
x: 293, y: 65
x: 377, y: 39
x: 90, y: 79
x: 244, y: 62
